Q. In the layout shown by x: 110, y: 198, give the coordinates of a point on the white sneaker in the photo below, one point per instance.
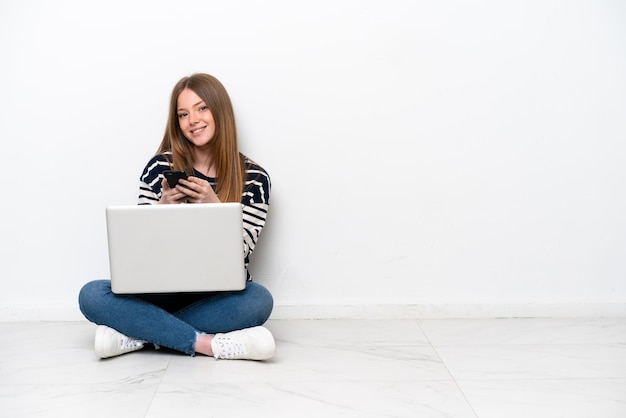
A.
x: 254, y: 343
x: 110, y: 343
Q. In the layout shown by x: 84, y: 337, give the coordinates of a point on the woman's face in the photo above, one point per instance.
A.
x: 195, y: 119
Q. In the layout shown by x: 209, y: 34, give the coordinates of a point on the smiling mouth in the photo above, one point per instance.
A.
x: 197, y: 131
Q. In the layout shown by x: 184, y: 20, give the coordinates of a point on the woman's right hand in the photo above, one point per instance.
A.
x: 169, y: 195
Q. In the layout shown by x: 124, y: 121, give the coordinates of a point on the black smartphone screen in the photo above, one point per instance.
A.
x: 173, y: 176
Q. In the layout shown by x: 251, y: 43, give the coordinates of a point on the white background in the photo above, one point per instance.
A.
x: 422, y: 153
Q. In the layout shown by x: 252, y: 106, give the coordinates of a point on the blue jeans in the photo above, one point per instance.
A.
x: 175, y: 320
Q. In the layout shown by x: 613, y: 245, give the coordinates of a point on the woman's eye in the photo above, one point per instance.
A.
x: 181, y: 115
x: 203, y: 108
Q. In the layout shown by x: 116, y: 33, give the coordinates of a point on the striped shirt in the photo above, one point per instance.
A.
x: 255, y: 198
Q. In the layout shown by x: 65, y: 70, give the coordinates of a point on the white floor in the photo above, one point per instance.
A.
x: 330, y: 368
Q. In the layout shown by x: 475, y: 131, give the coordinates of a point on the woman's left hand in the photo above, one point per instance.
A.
x: 198, y: 190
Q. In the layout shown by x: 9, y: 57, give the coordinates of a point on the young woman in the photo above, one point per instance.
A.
x: 200, y: 138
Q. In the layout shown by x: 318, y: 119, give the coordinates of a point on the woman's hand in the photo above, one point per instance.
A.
x: 169, y: 195
x: 197, y: 190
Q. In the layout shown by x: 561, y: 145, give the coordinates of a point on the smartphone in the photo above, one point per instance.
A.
x: 173, y: 176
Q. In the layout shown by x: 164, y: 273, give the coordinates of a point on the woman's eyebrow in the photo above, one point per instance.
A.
x: 199, y: 103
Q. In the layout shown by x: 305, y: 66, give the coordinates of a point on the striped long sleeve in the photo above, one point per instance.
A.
x: 255, y: 200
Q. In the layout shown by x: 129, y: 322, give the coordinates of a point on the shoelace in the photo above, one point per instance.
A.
x: 130, y: 343
x: 229, y: 349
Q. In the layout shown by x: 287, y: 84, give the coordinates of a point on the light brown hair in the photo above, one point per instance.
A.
x: 228, y: 161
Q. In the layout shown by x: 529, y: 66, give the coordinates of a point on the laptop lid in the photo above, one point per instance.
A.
x: 176, y: 248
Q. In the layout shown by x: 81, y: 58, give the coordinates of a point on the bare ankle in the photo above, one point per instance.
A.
x: 203, y: 345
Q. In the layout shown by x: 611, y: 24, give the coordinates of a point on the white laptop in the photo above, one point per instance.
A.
x: 176, y: 248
